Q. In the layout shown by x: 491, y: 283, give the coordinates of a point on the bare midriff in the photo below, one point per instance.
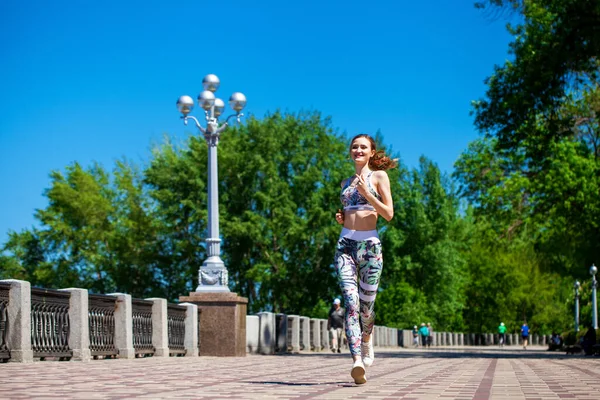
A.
x: 360, y: 220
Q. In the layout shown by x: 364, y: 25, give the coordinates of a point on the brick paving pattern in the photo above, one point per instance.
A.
x: 460, y: 373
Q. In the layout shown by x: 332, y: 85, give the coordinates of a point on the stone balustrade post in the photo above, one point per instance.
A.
x: 294, y: 328
x: 305, y: 334
x: 19, y: 321
x: 406, y: 340
x: 324, y: 334
x: 281, y: 330
x: 190, y: 341
x: 315, y: 328
x: 267, y: 334
x: 160, y: 327
x: 252, y: 334
x: 124, y: 325
x: 79, y: 325
x: 375, y: 336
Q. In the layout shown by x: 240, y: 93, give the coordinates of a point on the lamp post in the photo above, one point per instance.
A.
x: 576, y: 286
x: 593, y: 272
x: 212, y: 276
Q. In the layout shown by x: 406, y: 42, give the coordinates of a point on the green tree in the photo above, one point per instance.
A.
x: 422, y: 252
x: 555, y: 51
x: 96, y: 233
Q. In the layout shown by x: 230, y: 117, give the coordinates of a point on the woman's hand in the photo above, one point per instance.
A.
x: 361, y: 185
x: 339, y: 217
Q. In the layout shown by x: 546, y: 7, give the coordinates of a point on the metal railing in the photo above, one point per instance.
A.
x: 176, y: 329
x: 101, y: 314
x: 50, y: 323
x: 142, y: 327
x: 4, y: 297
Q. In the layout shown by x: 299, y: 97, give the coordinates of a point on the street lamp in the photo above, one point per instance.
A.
x: 212, y: 276
x: 576, y: 286
x: 593, y: 272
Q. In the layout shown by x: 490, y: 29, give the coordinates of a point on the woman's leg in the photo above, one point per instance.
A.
x: 346, y: 273
x: 370, y: 266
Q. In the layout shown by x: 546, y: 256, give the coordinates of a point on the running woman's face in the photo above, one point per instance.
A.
x: 361, y: 149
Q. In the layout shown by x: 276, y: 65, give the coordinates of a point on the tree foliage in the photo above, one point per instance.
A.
x: 555, y: 51
x: 422, y: 252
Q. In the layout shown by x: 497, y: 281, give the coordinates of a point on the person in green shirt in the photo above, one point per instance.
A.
x: 502, y: 334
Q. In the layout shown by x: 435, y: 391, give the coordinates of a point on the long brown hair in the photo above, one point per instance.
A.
x: 379, y: 161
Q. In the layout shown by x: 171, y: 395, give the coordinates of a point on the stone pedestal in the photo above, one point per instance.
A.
x: 223, y: 323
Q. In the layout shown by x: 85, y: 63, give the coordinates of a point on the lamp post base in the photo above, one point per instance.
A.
x: 222, y: 327
x: 212, y: 276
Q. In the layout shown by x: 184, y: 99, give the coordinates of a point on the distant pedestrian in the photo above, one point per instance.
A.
x: 525, y: 335
x: 424, y: 332
x: 335, y: 325
x: 429, y: 334
x: 415, y: 333
x: 501, y: 334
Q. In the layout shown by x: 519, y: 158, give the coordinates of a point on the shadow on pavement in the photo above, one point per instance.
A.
x: 344, y: 383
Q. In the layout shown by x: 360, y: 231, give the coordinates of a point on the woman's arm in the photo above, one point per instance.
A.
x: 339, y: 216
x: 385, y: 206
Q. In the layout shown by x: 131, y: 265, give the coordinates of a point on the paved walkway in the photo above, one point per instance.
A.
x: 461, y: 373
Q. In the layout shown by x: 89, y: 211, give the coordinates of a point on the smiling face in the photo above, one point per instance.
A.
x: 361, y: 150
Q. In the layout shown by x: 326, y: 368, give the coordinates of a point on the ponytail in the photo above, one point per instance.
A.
x: 380, y: 161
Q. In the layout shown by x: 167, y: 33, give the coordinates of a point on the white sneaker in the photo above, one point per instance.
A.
x: 358, y: 372
x: 368, y: 355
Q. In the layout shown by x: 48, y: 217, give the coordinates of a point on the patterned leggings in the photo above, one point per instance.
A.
x: 358, y: 264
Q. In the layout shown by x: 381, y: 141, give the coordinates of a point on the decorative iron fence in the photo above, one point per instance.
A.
x: 50, y: 323
x: 176, y: 328
x: 4, y: 350
x: 101, y: 312
x: 142, y: 327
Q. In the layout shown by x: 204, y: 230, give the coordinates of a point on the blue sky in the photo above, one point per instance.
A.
x: 97, y: 81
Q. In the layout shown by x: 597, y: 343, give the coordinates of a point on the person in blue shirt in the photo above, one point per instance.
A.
x: 424, y: 332
x: 525, y: 334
